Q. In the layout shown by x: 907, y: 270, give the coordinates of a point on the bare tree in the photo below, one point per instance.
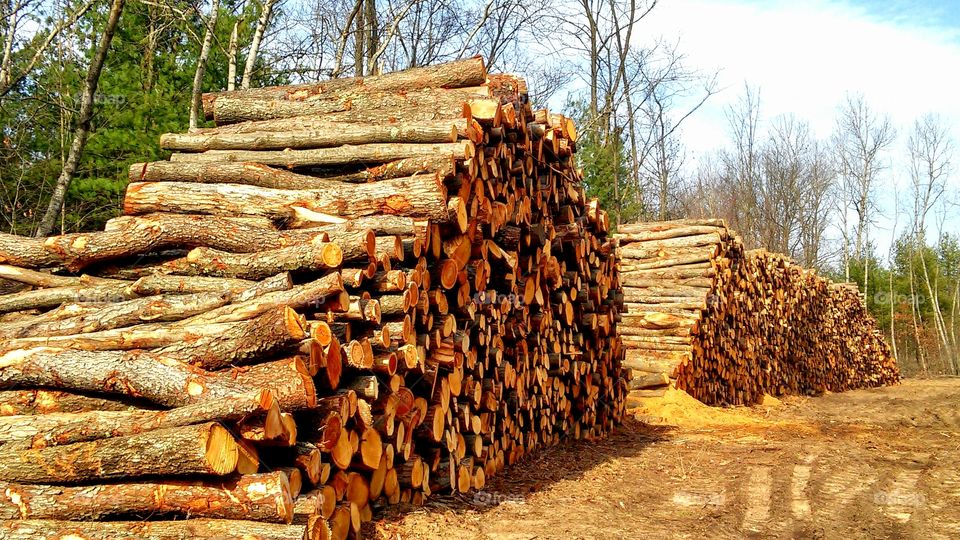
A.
x: 263, y: 22
x: 205, y: 47
x: 861, y: 138
x: 930, y: 150
x: 82, y: 129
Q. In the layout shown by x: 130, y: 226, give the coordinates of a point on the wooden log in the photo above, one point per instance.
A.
x: 130, y: 236
x: 53, y: 297
x: 258, y: 497
x: 316, y: 136
x: 311, y: 256
x: 149, y: 530
x: 163, y: 284
x: 41, y: 279
x: 137, y: 374
x: 38, y: 402
x: 336, y: 156
x: 300, y: 296
x: 196, y: 449
x: 64, y: 427
x: 121, y: 314
x: 421, y: 197
x: 462, y: 73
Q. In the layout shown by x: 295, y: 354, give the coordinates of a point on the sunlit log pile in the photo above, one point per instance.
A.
x: 347, y: 294
x: 729, y: 326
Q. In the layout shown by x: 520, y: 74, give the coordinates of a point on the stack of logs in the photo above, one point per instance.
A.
x: 729, y: 326
x: 348, y: 294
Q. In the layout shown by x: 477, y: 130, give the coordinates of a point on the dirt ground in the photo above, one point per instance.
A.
x: 881, y: 463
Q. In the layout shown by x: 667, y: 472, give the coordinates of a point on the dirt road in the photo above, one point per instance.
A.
x: 881, y: 463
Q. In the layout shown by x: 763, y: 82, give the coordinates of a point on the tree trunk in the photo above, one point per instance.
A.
x: 82, y: 129
x: 40, y: 402
x: 335, y: 156
x: 137, y: 374
x: 331, y: 135
x: 53, y: 297
x: 262, y: 23
x: 197, y: 449
x: 187, y: 529
x: 196, y: 94
x: 121, y: 314
x: 421, y: 197
x: 260, y: 497
x: 54, y: 429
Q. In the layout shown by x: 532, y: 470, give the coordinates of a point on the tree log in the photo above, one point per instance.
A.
x: 136, y: 374
x: 317, y: 136
x: 64, y: 428
x: 260, y: 497
x: 197, y: 449
x: 188, y: 529
x: 363, y: 154
x: 422, y: 197
x: 39, y: 402
x: 53, y: 297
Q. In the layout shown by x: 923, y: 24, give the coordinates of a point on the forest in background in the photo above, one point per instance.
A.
x: 87, y: 87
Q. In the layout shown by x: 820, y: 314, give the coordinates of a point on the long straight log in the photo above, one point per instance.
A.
x: 318, y: 136
x: 197, y: 449
x: 422, y: 197
x: 41, y: 401
x: 336, y: 156
x: 121, y: 314
x: 311, y: 256
x: 301, y: 296
x: 64, y: 428
x: 137, y: 374
x: 187, y: 529
x: 462, y: 73
x: 53, y: 297
x: 260, y: 497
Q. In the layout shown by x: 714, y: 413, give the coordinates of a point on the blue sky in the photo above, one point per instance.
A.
x: 806, y: 56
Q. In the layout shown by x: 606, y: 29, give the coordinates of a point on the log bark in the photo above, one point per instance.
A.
x: 137, y: 374
x: 310, y: 294
x: 122, y: 314
x: 163, y: 284
x: 39, y: 402
x: 53, y: 429
x: 197, y: 449
x: 462, y: 73
x: 188, y: 529
x: 311, y: 256
x: 405, y: 106
x: 363, y: 154
x: 317, y: 136
x: 256, y: 174
x: 259, y: 497
x: 53, y: 297
x: 244, y: 342
x: 422, y: 197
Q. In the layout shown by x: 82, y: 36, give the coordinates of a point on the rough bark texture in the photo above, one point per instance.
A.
x: 136, y: 374
x: 363, y: 154
x: 14, y: 402
x: 422, y: 197
x: 198, y: 449
x: 246, y: 341
x: 53, y: 297
x: 466, y: 72
x: 414, y: 106
x: 300, y: 296
x: 121, y: 314
x: 38, y: 431
x: 188, y: 529
x: 311, y: 256
x: 259, y: 497
x: 163, y: 284
x: 323, y: 136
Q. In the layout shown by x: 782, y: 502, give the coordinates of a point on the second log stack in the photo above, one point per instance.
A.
x: 348, y: 294
x: 729, y: 326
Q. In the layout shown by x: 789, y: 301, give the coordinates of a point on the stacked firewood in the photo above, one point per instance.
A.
x: 347, y: 294
x: 728, y: 326
x: 668, y: 270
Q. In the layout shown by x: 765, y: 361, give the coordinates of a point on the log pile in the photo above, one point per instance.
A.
x: 729, y: 326
x: 345, y: 295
